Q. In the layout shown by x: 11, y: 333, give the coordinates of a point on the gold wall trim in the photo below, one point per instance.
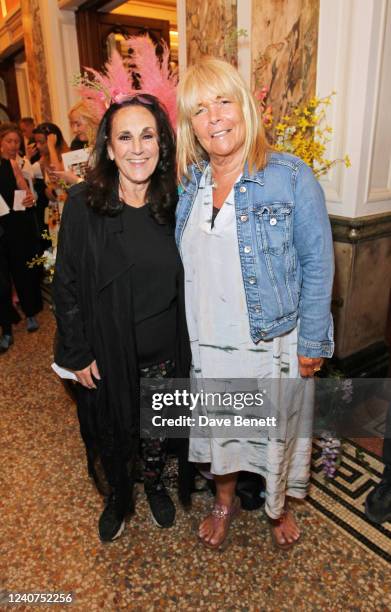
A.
x: 11, y: 33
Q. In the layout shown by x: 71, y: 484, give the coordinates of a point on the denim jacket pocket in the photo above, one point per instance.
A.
x: 273, y: 225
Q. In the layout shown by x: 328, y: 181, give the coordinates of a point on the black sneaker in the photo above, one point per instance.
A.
x: 378, y: 503
x: 111, y: 521
x: 161, y: 505
x: 5, y: 342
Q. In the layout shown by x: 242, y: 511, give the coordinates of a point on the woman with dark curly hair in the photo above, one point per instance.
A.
x: 118, y: 295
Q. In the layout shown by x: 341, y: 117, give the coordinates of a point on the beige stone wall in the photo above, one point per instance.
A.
x: 207, y: 25
x: 36, y: 61
x: 284, y: 50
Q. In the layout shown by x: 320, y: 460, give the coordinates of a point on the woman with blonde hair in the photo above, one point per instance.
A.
x: 255, y: 240
x: 84, y: 124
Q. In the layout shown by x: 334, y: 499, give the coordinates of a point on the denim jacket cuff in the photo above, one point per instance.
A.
x: 310, y: 348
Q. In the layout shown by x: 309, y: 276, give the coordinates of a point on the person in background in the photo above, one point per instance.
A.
x: 51, y: 145
x: 84, y: 125
x: 8, y: 314
x: 11, y: 139
x: 26, y: 126
x: 378, y: 502
x: 19, y: 241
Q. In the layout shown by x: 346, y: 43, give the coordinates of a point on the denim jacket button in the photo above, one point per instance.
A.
x: 242, y: 189
x: 273, y: 221
x: 252, y: 280
x: 262, y: 334
x: 257, y: 309
x: 244, y: 218
x: 247, y: 249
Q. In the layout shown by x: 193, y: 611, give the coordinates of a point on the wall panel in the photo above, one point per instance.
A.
x: 284, y: 43
x: 207, y: 26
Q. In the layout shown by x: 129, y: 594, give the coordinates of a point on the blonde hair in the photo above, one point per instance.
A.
x: 212, y: 77
x: 91, y: 119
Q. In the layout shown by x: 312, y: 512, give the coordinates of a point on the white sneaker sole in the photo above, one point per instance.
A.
x: 158, y: 524
x: 117, y: 535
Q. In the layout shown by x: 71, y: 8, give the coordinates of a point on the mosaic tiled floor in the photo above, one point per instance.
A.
x: 49, y: 511
x: 342, y: 500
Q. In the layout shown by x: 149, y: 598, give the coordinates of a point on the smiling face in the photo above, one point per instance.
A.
x: 79, y: 126
x: 134, y: 144
x: 10, y: 145
x: 219, y: 126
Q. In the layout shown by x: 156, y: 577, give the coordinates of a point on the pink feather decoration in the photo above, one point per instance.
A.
x: 156, y: 78
x: 116, y: 82
x: 106, y: 86
x: 93, y: 98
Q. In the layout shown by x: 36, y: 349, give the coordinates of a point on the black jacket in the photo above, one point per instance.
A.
x: 92, y: 295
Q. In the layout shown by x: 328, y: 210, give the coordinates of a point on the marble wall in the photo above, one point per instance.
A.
x: 284, y: 41
x: 209, y: 28
x: 362, y: 286
x: 36, y: 60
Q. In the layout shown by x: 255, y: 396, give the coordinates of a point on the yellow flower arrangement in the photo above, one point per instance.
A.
x: 303, y: 132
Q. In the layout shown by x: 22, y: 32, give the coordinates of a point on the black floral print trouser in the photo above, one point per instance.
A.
x: 154, y: 451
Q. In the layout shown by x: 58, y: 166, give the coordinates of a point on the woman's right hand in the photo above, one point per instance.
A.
x: 29, y: 200
x: 85, y: 376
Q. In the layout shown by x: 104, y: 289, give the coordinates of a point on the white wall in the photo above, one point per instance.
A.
x: 62, y: 59
x: 354, y: 59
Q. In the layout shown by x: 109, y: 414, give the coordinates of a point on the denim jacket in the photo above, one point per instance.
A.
x: 285, y: 250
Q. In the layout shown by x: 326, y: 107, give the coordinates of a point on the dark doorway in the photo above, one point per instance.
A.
x: 98, y: 32
x: 9, y: 102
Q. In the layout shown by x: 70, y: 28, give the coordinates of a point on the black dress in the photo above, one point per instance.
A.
x: 19, y: 244
x: 101, y: 279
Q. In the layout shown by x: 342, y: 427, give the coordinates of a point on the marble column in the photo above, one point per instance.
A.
x: 210, y: 29
x: 36, y: 60
x: 284, y: 42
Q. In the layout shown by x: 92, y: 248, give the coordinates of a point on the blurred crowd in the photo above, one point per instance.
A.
x: 33, y: 188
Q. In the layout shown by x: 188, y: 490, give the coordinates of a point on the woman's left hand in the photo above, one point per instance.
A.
x: 29, y: 200
x: 308, y: 366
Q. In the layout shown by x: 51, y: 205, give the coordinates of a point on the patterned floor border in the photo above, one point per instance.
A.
x: 342, y: 500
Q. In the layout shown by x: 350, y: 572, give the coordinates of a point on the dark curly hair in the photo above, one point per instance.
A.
x: 103, y: 177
